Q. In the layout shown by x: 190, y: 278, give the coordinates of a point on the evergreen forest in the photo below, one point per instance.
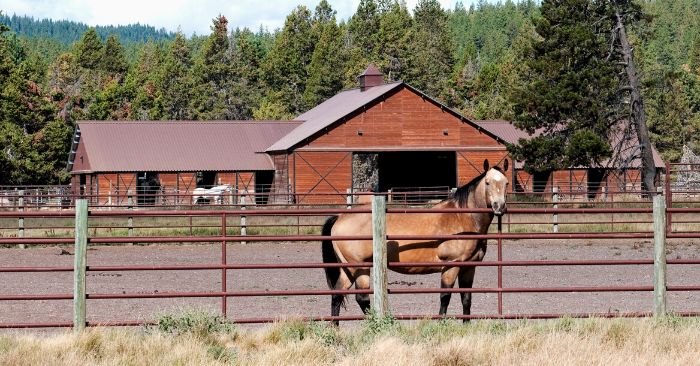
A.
x: 538, y: 64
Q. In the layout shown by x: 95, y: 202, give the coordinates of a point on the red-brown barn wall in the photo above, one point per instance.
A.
x: 471, y: 164
x: 322, y: 176
x: 404, y: 119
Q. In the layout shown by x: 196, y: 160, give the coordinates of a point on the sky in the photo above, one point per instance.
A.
x: 190, y: 16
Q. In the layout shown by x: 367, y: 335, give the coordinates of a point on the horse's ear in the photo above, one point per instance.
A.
x: 486, y: 165
x: 505, y: 165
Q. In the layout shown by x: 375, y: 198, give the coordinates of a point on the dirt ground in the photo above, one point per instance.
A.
x: 313, y: 279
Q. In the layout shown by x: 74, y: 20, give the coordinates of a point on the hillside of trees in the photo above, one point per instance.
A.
x: 480, y: 60
x: 68, y: 32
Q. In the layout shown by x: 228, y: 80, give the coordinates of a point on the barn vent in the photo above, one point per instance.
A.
x: 370, y: 77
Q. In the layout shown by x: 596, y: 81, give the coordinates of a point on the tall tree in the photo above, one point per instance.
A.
x: 113, y: 60
x: 212, y: 74
x: 324, y: 80
x: 285, y: 67
x: 430, y: 63
x: 394, y: 27
x: 625, y: 12
x: 573, y: 89
x: 89, y: 50
x: 175, y: 89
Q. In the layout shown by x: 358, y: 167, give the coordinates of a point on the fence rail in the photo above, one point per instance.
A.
x: 659, y: 216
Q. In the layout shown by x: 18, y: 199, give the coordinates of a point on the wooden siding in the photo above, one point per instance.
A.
x: 322, y: 173
x: 226, y: 178
x: 281, y: 182
x: 403, y: 119
x: 81, y: 162
x: 112, y: 188
x: 470, y: 164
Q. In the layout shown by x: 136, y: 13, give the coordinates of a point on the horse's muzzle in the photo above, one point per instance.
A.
x: 499, y: 208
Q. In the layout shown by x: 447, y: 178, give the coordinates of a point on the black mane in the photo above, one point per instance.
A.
x: 461, y: 195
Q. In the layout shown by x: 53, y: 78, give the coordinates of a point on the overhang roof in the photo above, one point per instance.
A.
x: 137, y: 146
x: 511, y: 134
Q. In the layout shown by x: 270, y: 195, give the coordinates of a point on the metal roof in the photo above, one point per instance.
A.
x: 511, y: 134
x: 135, y: 146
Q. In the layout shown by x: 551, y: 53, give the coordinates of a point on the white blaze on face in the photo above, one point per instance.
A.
x: 496, y: 185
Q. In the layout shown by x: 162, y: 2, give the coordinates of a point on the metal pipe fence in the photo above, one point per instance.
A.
x: 230, y: 234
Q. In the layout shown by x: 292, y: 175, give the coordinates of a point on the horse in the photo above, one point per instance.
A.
x: 203, y: 195
x: 487, y: 190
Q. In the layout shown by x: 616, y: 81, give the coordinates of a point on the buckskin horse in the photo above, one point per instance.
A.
x: 488, y: 190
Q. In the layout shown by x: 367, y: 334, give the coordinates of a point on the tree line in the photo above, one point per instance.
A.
x: 508, y: 60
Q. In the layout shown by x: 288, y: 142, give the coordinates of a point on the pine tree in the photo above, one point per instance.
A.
x: 175, y: 87
x: 361, y: 36
x: 394, y: 27
x: 142, y: 84
x: 324, y: 80
x: 89, y: 50
x: 286, y: 64
x: 212, y: 74
x: 113, y: 60
x: 430, y: 54
x: 572, y: 92
x: 246, y: 85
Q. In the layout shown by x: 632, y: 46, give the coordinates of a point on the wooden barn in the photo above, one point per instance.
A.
x: 379, y: 136
x: 413, y: 141
x: 167, y: 160
x: 590, y: 181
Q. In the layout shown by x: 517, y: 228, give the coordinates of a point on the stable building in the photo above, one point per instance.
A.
x: 111, y: 161
x: 377, y: 137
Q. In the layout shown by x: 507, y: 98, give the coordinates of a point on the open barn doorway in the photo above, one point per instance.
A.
x: 417, y: 171
x: 147, y: 188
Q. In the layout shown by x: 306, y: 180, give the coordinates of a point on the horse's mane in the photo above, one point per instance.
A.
x: 461, y: 196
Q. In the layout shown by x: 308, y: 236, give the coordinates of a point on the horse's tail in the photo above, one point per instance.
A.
x: 332, y: 273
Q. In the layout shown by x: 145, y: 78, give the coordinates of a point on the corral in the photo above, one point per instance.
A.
x: 545, y: 262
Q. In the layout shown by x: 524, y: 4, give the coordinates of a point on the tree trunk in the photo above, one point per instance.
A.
x: 637, y: 116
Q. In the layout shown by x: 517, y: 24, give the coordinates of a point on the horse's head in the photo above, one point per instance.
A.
x: 496, y: 186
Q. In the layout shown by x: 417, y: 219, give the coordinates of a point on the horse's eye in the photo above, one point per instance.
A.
x: 487, y: 183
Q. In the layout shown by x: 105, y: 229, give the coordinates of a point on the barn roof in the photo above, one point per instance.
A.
x: 343, y: 104
x: 128, y: 146
x: 511, y: 134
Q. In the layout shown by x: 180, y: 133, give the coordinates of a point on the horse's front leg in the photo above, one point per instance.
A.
x: 466, y: 279
x: 447, y: 280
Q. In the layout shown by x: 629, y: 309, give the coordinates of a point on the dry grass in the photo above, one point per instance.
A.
x: 673, y: 341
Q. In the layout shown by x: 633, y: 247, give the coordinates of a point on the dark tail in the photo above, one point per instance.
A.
x: 332, y: 273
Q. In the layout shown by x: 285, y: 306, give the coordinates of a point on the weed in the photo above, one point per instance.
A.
x: 374, y: 325
x: 196, y: 322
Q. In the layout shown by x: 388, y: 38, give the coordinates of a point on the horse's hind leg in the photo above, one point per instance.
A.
x: 362, y: 283
x: 466, y: 279
x: 343, y: 283
x: 447, y: 280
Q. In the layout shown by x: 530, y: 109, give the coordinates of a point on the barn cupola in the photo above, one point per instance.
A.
x: 370, y: 77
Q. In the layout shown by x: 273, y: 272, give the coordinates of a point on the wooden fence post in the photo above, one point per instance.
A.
x: 604, y: 195
x: 379, y: 257
x: 81, y: 233
x: 555, y: 217
x: 243, y: 218
x: 20, y: 221
x: 659, y: 254
x: 130, y: 220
